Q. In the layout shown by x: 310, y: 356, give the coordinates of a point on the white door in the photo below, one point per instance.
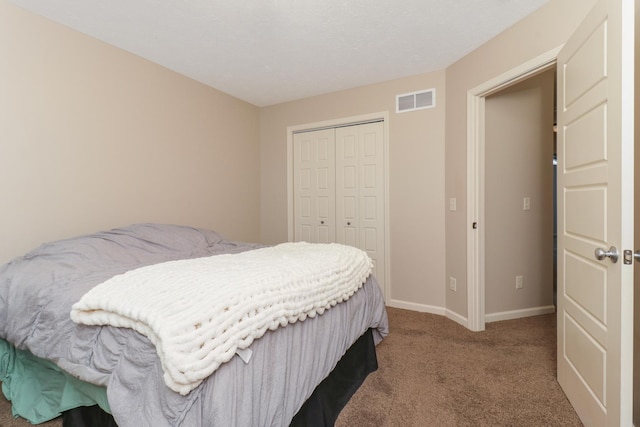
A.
x: 595, y: 211
x: 339, y: 189
x: 347, y: 185
x: 314, y: 186
x: 360, y: 191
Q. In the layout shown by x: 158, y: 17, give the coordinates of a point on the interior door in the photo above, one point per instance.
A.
x: 360, y: 191
x: 314, y: 186
x: 595, y: 212
x: 348, y: 185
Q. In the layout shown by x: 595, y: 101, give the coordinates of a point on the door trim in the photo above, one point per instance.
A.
x: 475, y: 177
x: 345, y: 121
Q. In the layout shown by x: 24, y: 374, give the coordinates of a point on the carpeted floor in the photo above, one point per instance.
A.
x: 434, y: 372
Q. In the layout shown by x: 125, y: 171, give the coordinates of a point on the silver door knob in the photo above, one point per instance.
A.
x: 612, y: 253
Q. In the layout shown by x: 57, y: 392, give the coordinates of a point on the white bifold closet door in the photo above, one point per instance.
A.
x: 314, y: 186
x: 339, y: 189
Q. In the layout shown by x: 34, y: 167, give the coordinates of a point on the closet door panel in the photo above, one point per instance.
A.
x: 347, y: 186
x: 348, y: 217
x: 339, y: 189
x: 304, y: 233
x: 314, y: 186
x: 325, y: 214
x: 371, y: 247
x: 371, y: 196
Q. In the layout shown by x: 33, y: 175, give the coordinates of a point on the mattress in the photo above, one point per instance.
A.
x: 38, y: 290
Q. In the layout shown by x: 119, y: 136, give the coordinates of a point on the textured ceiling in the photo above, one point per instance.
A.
x: 271, y: 51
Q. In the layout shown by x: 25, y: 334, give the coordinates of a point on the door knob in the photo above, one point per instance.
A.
x: 612, y: 253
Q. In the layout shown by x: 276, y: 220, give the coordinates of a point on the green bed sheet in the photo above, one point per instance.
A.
x: 39, y: 390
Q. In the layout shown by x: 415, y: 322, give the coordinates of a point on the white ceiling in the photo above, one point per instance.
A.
x: 271, y: 51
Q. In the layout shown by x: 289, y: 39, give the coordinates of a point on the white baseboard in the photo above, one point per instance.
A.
x: 517, y: 314
x: 423, y: 308
x: 457, y: 318
x: 429, y: 309
x: 490, y: 317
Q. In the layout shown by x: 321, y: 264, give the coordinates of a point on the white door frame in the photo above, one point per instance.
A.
x: 475, y: 177
x: 346, y: 121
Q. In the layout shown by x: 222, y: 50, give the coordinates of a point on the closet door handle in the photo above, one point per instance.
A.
x: 348, y: 223
x: 321, y: 222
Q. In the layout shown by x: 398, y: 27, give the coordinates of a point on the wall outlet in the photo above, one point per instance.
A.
x: 526, y: 204
x: 452, y: 284
x: 452, y: 204
x: 519, y: 282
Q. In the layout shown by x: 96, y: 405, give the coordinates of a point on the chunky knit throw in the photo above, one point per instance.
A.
x: 199, y: 312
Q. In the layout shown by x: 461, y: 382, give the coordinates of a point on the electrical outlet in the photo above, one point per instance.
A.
x: 519, y: 282
x: 526, y: 204
x: 452, y: 204
x: 452, y: 284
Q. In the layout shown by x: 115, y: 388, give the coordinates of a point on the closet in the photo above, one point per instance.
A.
x: 338, y: 189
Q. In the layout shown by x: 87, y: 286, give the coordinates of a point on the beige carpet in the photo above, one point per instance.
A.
x: 434, y: 372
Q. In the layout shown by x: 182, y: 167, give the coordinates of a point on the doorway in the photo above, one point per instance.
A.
x: 382, y: 234
x: 476, y: 100
x: 519, y: 205
x: 338, y: 189
x: 595, y: 115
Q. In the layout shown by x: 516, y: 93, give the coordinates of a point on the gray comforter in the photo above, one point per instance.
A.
x: 38, y: 290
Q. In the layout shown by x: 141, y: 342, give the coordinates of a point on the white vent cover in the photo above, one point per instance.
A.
x: 416, y: 101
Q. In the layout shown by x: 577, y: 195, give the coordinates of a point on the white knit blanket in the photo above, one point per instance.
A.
x: 199, y: 312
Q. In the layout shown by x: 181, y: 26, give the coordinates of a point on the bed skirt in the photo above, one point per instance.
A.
x: 320, y: 410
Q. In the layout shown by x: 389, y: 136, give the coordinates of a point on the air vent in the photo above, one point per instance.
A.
x: 415, y: 101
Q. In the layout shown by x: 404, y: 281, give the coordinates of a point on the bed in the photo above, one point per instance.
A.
x: 300, y: 373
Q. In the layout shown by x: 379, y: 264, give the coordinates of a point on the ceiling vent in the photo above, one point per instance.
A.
x: 415, y: 101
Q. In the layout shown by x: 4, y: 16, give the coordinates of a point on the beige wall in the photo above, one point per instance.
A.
x: 416, y: 176
x: 545, y: 29
x: 92, y: 137
x: 518, y: 164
